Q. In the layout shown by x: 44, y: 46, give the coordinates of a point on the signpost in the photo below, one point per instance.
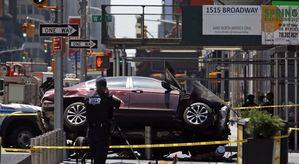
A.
x: 83, y: 44
x: 58, y: 30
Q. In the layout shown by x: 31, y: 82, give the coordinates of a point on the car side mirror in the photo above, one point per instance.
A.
x: 166, y: 86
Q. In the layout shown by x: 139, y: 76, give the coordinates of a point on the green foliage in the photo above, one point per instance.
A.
x: 262, y: 124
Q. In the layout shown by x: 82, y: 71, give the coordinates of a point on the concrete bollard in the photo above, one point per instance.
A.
x: 46, y: 140
x: 48, y: 156
x: 64, y: 144
x: 148, y: 140
x: 33, y: 153
x: 52, y: 138
x: 42, y: 151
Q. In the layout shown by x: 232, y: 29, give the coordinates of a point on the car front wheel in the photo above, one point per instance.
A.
x: 75, y: 116
x: 20, y: 136
x: 198, y: 115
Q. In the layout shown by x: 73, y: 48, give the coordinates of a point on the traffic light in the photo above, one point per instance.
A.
x: 40, y: 3
x: 102, y: 62
x: 215, y: 75
x: 56, y: 45
x: 28, y: 30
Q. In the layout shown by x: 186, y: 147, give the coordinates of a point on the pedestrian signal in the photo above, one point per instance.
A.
x: 102, y: 62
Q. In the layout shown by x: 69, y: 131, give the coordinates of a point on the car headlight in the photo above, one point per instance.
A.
x: 48, y: 105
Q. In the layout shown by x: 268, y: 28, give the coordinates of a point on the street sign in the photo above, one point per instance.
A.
x: 100, y: 18
x: 96, y: 18
x: 58, y: 30
x: 83, y: 44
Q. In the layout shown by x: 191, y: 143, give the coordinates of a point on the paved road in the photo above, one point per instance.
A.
x: 12, y: 158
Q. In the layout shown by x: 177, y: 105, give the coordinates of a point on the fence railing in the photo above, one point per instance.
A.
x: 48, y: 156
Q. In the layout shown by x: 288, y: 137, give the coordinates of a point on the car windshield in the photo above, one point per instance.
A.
x: 202, y: 92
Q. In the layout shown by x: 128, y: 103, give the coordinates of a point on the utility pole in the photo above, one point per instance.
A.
x: 58, y: 84
x: 83, y: 68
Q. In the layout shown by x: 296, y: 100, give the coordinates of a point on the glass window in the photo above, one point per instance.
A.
x: 29, y: 9
x: 112, y: 82
x: 142, y: 82
x: 23, y: 9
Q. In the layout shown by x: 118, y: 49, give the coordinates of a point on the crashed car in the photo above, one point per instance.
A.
x: 173, y: 114
x: 16, y: 131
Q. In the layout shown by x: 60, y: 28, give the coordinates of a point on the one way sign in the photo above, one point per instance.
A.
x: 83, y: 44
x: 58, y: 30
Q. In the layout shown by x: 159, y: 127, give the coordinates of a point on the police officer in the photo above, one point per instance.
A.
x: 100, y: 107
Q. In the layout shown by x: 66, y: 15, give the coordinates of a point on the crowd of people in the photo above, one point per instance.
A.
x: 263, y: 100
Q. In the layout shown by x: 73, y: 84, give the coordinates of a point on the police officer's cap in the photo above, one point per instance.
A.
x: 101, y: 82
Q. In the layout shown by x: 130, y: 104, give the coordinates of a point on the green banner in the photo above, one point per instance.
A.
x: 286, y: 3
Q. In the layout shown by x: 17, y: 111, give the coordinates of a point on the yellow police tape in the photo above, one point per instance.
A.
x: 293, y: 129
x: 34, y: 148
x: 17, y: 150
x: 269, y: 107
x: 281, y: 137
x: 144, y: 146
x: 188, y: 144
x: 18, y: 114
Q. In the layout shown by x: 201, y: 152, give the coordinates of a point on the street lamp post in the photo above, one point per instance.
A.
x: 58, y: 82
x: 83, y: 69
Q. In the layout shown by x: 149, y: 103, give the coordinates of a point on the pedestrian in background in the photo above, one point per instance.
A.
x: 100, y: 108
x: 249, y: 101
x: 269, y: 102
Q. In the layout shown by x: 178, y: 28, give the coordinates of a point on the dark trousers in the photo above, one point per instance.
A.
x: 99, y: 138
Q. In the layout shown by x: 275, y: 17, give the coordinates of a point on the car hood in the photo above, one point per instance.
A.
x: 24, y: 108
x: 200, y: 91
x: 68, y: 92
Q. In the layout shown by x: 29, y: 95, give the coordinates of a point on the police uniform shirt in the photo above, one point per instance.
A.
x: 100, y: 108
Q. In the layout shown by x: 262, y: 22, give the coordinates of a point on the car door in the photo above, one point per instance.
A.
x: 147, y: 94
x: 118, y: 86
x: 151, y: 101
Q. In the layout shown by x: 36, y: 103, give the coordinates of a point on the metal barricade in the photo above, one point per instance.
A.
x: 48, y: 156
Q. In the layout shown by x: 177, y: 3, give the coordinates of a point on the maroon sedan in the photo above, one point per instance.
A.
x: 174, y: 114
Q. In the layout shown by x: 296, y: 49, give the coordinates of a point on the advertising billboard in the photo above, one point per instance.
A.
x: 280, y: 25
x: 231, y: 20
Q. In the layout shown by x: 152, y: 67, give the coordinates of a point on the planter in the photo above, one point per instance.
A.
x: 258, y: 151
